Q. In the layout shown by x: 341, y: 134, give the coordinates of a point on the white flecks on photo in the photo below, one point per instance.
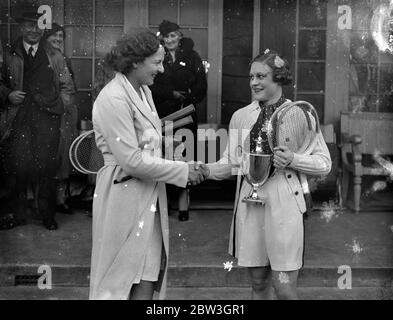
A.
x: 330, y: 210
x: 355, y: 246
x: 283, y: 277
x: 228, y: 265
x: 153, y: 208
x: 95, y: 195
x: 138, y: 234
x: 376, y: 186
x: 386, y: 164
x: 141, y: 224
x: 118, y: 139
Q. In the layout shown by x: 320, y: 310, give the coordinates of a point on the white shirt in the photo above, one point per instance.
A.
x: 27, y: 47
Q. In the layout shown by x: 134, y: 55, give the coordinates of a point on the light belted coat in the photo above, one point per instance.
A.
x: 242, y: 121
x: 123, y: 213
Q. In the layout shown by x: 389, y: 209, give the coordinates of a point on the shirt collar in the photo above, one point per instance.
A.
x: 27, y: 47
x: 274, y: 105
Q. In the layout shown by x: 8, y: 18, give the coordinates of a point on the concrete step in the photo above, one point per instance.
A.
x: 201, y: 276
x: 224, y: 293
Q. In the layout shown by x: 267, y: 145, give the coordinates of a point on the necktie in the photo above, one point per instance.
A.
x: 30, y: 55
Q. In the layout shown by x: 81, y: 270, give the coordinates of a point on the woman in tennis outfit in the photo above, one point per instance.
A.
x: 268, y: 239
x: 130, y: 218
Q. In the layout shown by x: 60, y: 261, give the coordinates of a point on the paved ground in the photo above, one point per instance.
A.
x: 198, y: 250
x: 363, y: 240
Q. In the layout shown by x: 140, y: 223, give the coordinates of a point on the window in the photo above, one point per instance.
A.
x: 237, y: 54
x: 371, y: 68
x: 311, y: 26
x: 92, y: 28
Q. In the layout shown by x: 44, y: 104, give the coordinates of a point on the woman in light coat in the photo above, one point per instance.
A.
x: 130, y: 218
x: 268, y: 239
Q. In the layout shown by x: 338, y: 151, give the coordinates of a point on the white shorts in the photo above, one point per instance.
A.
x: 272, y: 234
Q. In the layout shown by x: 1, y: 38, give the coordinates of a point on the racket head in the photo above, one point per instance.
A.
x: 87, y: 155
x: 72, y: 153
x: 295, y: 125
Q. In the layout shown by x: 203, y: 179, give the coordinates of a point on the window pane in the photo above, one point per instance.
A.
x: 194, y: 12
x: 83, y: 101
x: 363, y: 79
x: 363, y: 48
x: 362, y: 11
x: 106, y: 37
x: 78, y: 41
x: 15, y: 32
x: 162, y: 9
x: 386, y: 103
x: 109, y: 12
x: 313, y: 13
x: 317, y: 100
x: 240, y: 89
x: 311, y: 76
x: 386, y: 84
x: 312, y: 44
x: 236, y: 66
x: 200, y: 40
x: 78, y: 12
x: 3, y: 34
x: 18, y: 7
x: 82, y: 72
x: 3, y: 12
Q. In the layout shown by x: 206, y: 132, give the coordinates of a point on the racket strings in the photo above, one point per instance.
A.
x: 296, y: 127
x: 85, y: 155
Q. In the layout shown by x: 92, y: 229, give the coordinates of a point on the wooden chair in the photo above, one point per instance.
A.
x: 363, y: 134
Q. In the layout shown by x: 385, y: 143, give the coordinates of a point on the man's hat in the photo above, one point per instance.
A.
x: 166, y: 27
x: 28, y: 16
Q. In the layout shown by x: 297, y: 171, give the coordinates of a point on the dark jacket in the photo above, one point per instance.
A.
x: 11, y: 78
x: 187, y: 74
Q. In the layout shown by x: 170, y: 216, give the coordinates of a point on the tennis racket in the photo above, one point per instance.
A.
x: 295, y: 125
x: 84, y: 154
x: 86, y: 158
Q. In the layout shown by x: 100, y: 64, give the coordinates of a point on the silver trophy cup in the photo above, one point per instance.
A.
x: 256, y: 168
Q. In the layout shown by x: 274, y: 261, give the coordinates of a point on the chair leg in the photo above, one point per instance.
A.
x: 357, y: 188
x: 344, y: 186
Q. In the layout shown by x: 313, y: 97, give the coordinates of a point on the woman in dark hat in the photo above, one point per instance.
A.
x: 69, y: 123
x: 182, y: 83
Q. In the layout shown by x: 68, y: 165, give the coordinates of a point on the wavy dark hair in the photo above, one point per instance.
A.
x: 133, y: 47
x: 281, y: 75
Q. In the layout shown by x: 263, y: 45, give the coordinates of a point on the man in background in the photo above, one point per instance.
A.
x: 35, y: 84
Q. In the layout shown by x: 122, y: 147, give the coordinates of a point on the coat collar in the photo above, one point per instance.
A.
x: 152, y: 114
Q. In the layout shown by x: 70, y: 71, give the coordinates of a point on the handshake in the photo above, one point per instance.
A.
x: 197, y: 173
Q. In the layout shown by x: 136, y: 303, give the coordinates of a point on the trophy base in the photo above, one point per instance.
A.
x: 253, y: 201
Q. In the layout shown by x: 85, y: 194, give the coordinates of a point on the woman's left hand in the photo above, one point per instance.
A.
x: 282, y: 157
